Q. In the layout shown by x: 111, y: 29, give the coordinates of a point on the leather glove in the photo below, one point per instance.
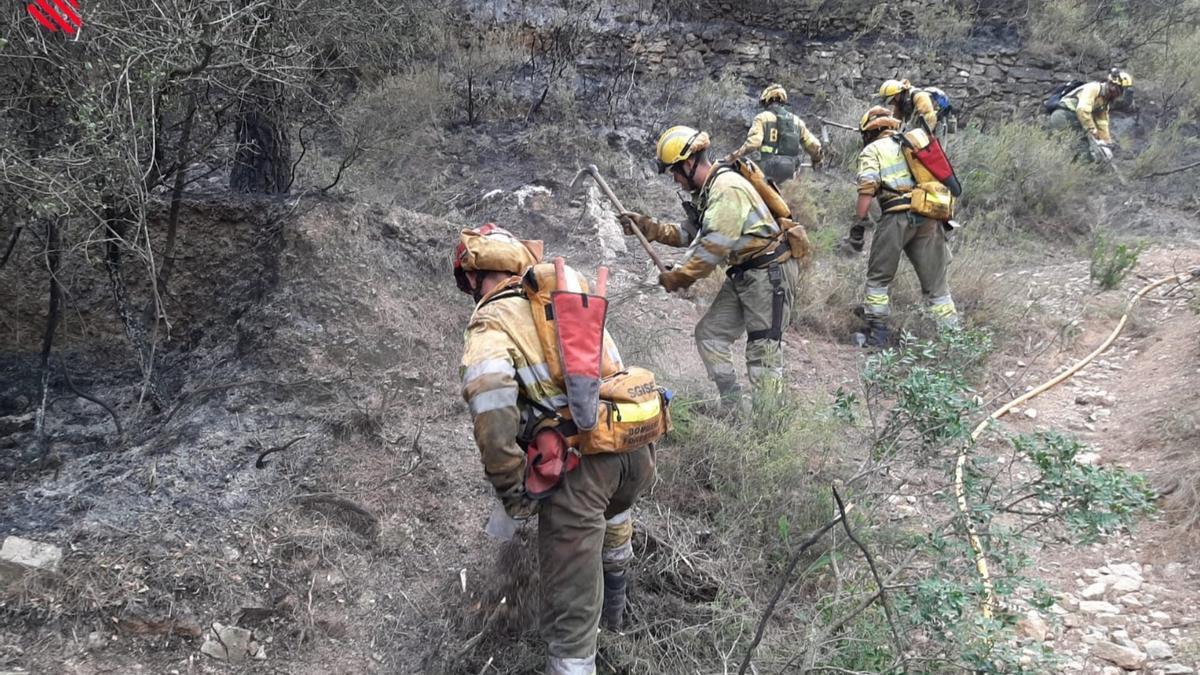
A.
x: 673, y: 280
x: 818, y: 160
x: 632, y: 219
x: 517, y: 503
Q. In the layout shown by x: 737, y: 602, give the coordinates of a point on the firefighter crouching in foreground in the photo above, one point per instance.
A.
x: 729, y: 224
x: 585, y: 526
x: 778, y: 135
x: 884, y: 174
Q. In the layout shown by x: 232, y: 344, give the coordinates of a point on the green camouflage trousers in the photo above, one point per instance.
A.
x: 757, y: 303
x: 924, y: 242
x: 584, y: 529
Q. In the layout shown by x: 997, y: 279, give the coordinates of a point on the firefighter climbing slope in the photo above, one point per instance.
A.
x: 927, y: 108
x: 731, y: 224
x: 917, y: 208
x: 778, y: 135
x: 1083, y: 111
x: 530, y: 403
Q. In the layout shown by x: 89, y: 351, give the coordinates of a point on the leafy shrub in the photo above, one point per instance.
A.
x: 1112, y: 261
x: 1091, y: 500
x: 1017, y: 176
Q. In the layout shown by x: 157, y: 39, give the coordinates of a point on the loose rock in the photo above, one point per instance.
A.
x: 1033, y: 626
x: 1128, y: 658
x: 229, y: 643
x: 1098, y: 607
x: 1158, y: 650
x: 19, y: 556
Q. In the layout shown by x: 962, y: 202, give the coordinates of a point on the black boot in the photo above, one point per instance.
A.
x: 612, y: 614
x: 874, y: 334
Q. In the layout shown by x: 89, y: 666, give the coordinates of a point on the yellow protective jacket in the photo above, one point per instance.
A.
x: 923, y: 110
x: 1091, y: 108
x: 883, y: 172
x: 754, y: 139
x: 500, y: 346
x: 735, y: 226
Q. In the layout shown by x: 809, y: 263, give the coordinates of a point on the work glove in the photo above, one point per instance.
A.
x: 856, y: 237
x: 644, y: 223
x: 517, y: 503
x: 673, y: 280
x: 816, y: 161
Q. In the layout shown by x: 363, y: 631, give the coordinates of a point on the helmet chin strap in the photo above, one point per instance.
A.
x: 691, y: 177
x: 477, y: 290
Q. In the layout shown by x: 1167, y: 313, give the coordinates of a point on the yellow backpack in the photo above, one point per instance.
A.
x: 633, y: 410
x: 797, y: 238
x: 931, y: 197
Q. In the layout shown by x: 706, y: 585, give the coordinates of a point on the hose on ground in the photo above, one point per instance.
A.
x: 981, y: 566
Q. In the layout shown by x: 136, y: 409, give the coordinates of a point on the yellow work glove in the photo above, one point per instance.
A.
x: 673, y: 280
x: 631, y: 219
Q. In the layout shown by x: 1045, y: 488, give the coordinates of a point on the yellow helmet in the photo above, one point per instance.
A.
x: 878, y: 118
x: 773, y: 92
x: 677, y: 144
x: 492, y: 249
x: 1120, y: 78
x: 892, y: 87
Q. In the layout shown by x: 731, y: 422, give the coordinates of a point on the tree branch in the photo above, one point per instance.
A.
x: 783, y: 582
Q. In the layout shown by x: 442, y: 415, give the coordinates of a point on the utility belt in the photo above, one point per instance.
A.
x: 895, y: 204
x: 780, y: 253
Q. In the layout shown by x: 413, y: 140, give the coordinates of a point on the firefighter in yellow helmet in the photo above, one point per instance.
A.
x: 728, y: 224
x: 927, y: 107
x: 585, y: 527
x: 884, y: 175
x: 1084, y: 110
x: 778, y: 135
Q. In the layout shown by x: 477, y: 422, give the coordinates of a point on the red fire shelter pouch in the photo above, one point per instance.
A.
x: 928, y: 151
x: 548, y: 460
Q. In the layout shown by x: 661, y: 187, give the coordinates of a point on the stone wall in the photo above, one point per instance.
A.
x: 994, y: 79
x: 818, y: 55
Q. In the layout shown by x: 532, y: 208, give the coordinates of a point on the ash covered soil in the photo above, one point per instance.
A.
x: 330, y: 332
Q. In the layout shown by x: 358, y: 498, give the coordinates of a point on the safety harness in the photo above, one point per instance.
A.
x: 780, y: 136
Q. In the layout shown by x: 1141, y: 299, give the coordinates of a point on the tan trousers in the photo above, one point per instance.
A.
x: 923, y: 241
x: 757, y: 303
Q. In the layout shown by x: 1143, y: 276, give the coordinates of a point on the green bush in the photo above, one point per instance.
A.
x: 1112, y: 261
x: 1015, y: 176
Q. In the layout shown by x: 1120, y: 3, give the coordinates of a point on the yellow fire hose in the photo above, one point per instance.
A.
x: 972, y: 534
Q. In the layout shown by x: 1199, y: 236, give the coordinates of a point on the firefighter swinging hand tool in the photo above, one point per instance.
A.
x: 595, y: 173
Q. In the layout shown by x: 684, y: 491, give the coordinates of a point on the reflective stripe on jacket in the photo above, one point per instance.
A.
x: 758, y: 134
x: 883, y: 171
x: 501, y: 348
x: 736, y: 225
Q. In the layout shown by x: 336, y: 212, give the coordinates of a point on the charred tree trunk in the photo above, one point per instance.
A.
x: 135, y: 328
x: 53, y: 254
x: 263, y: 159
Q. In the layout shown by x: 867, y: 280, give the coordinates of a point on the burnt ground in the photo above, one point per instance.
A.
x: 333, y: 326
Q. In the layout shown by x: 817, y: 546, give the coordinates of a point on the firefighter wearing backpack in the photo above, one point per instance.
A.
x: 1084, y: 110
x: 884, y: 173
x: 585, y: 526
x: 732, y: 225
x: 930, y: 107
x: 778, y: 135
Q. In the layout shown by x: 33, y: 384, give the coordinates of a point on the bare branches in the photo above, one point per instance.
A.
x: 887, y: 606
x: 784, y: 580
